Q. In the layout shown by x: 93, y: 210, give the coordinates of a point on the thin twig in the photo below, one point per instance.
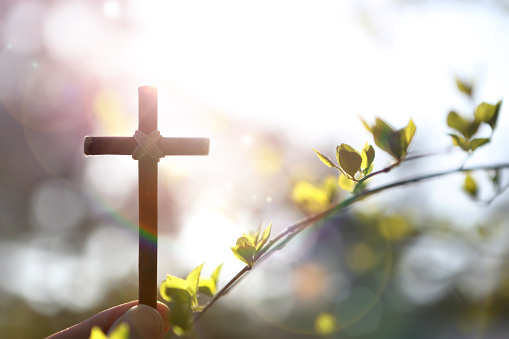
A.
x: 222, y: 292
x: 396, y: 164
x: 291, y: 231
x: 498, y: 193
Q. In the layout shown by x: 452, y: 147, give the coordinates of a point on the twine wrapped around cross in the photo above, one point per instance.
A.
x: 147, y: 146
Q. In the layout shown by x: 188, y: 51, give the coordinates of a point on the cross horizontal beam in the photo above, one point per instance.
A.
x: 126, y: 146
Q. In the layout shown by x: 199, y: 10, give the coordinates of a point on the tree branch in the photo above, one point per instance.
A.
x: 281, y: 239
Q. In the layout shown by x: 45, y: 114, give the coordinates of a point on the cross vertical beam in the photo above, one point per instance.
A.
x: 147, y: 186
x: 147, y: 180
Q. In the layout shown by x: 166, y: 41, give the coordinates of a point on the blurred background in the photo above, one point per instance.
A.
x: 267, y: 81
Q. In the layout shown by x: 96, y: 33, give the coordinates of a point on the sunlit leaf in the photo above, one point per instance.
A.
x: 475, y: 143
x: 264, y: 238
x: 459, y: 141
x: 488, y: 113
x: 324, y: 159
x: 181, y: 296
x: 366, y: 125
x: 244, y: 251
x: 119, y: 332
x: 97, y: 333
x: 367, y: 155
x: 208, y: 286
x: 349, y: 159
x: 470, y: 186
x: 247, y: 250
x: 346, y: 184
x: 464, y: 87
x: 175, y: 288
x: 368, y: 170
x: 181, y: 317
x: 326, y: 323
x: 171, y: 284
x: 193, y: 279
x: 387, y: 138
x: 393, y: 142
x: 466, y: 127
x: 408, y: 133
x: 178, y: 330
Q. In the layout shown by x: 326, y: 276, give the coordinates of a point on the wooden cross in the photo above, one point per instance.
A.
x: 147, y: 177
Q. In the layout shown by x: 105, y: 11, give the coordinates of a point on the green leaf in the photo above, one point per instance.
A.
x: 264, y: 238
x: 383, y: 134
x: 475, y: 143
x: 408, y: 133
x: 180, y: 304
x: 208, y: 286
x: 366, y: 125
x: 325, y: 160
x: 464, y: 87
x: 170, y: 285
x: 192, y: 280
x: 466, y: 127
x: 368, y: 170
x: 470, y: 186
x: 119, y: 332
x: 182, y: 297
x: 173, y: 287
x: 367, y: 155
x: 393, y: 142
x: 459, y: 141
x: 346, y: 184
x: 488, y: 113
x: 181, y: 314
x: 349, y: 159
x: 245, y: 250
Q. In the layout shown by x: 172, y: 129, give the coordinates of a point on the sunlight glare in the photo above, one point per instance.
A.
x: 71, y: 30
x: 208, y: 234
x: 111, y: 9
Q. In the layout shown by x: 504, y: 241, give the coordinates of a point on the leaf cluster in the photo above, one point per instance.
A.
x: 249, y: 246
x: 182, y: 296
x: 394, y: 142
x: 467, y: 127
x: 355, y: 167
x: 351, y: 164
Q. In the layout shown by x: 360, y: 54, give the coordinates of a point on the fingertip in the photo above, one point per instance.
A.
x: 164, y: 311
x: 144, y: 322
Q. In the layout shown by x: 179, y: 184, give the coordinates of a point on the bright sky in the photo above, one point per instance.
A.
x: 311, y: 67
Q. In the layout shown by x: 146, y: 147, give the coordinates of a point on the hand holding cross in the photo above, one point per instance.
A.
x: 147, y: 146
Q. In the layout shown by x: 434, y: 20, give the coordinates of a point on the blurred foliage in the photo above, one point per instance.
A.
x: 312, y: 198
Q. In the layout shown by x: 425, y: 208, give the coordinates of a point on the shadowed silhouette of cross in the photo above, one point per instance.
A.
x: 147, y: 146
